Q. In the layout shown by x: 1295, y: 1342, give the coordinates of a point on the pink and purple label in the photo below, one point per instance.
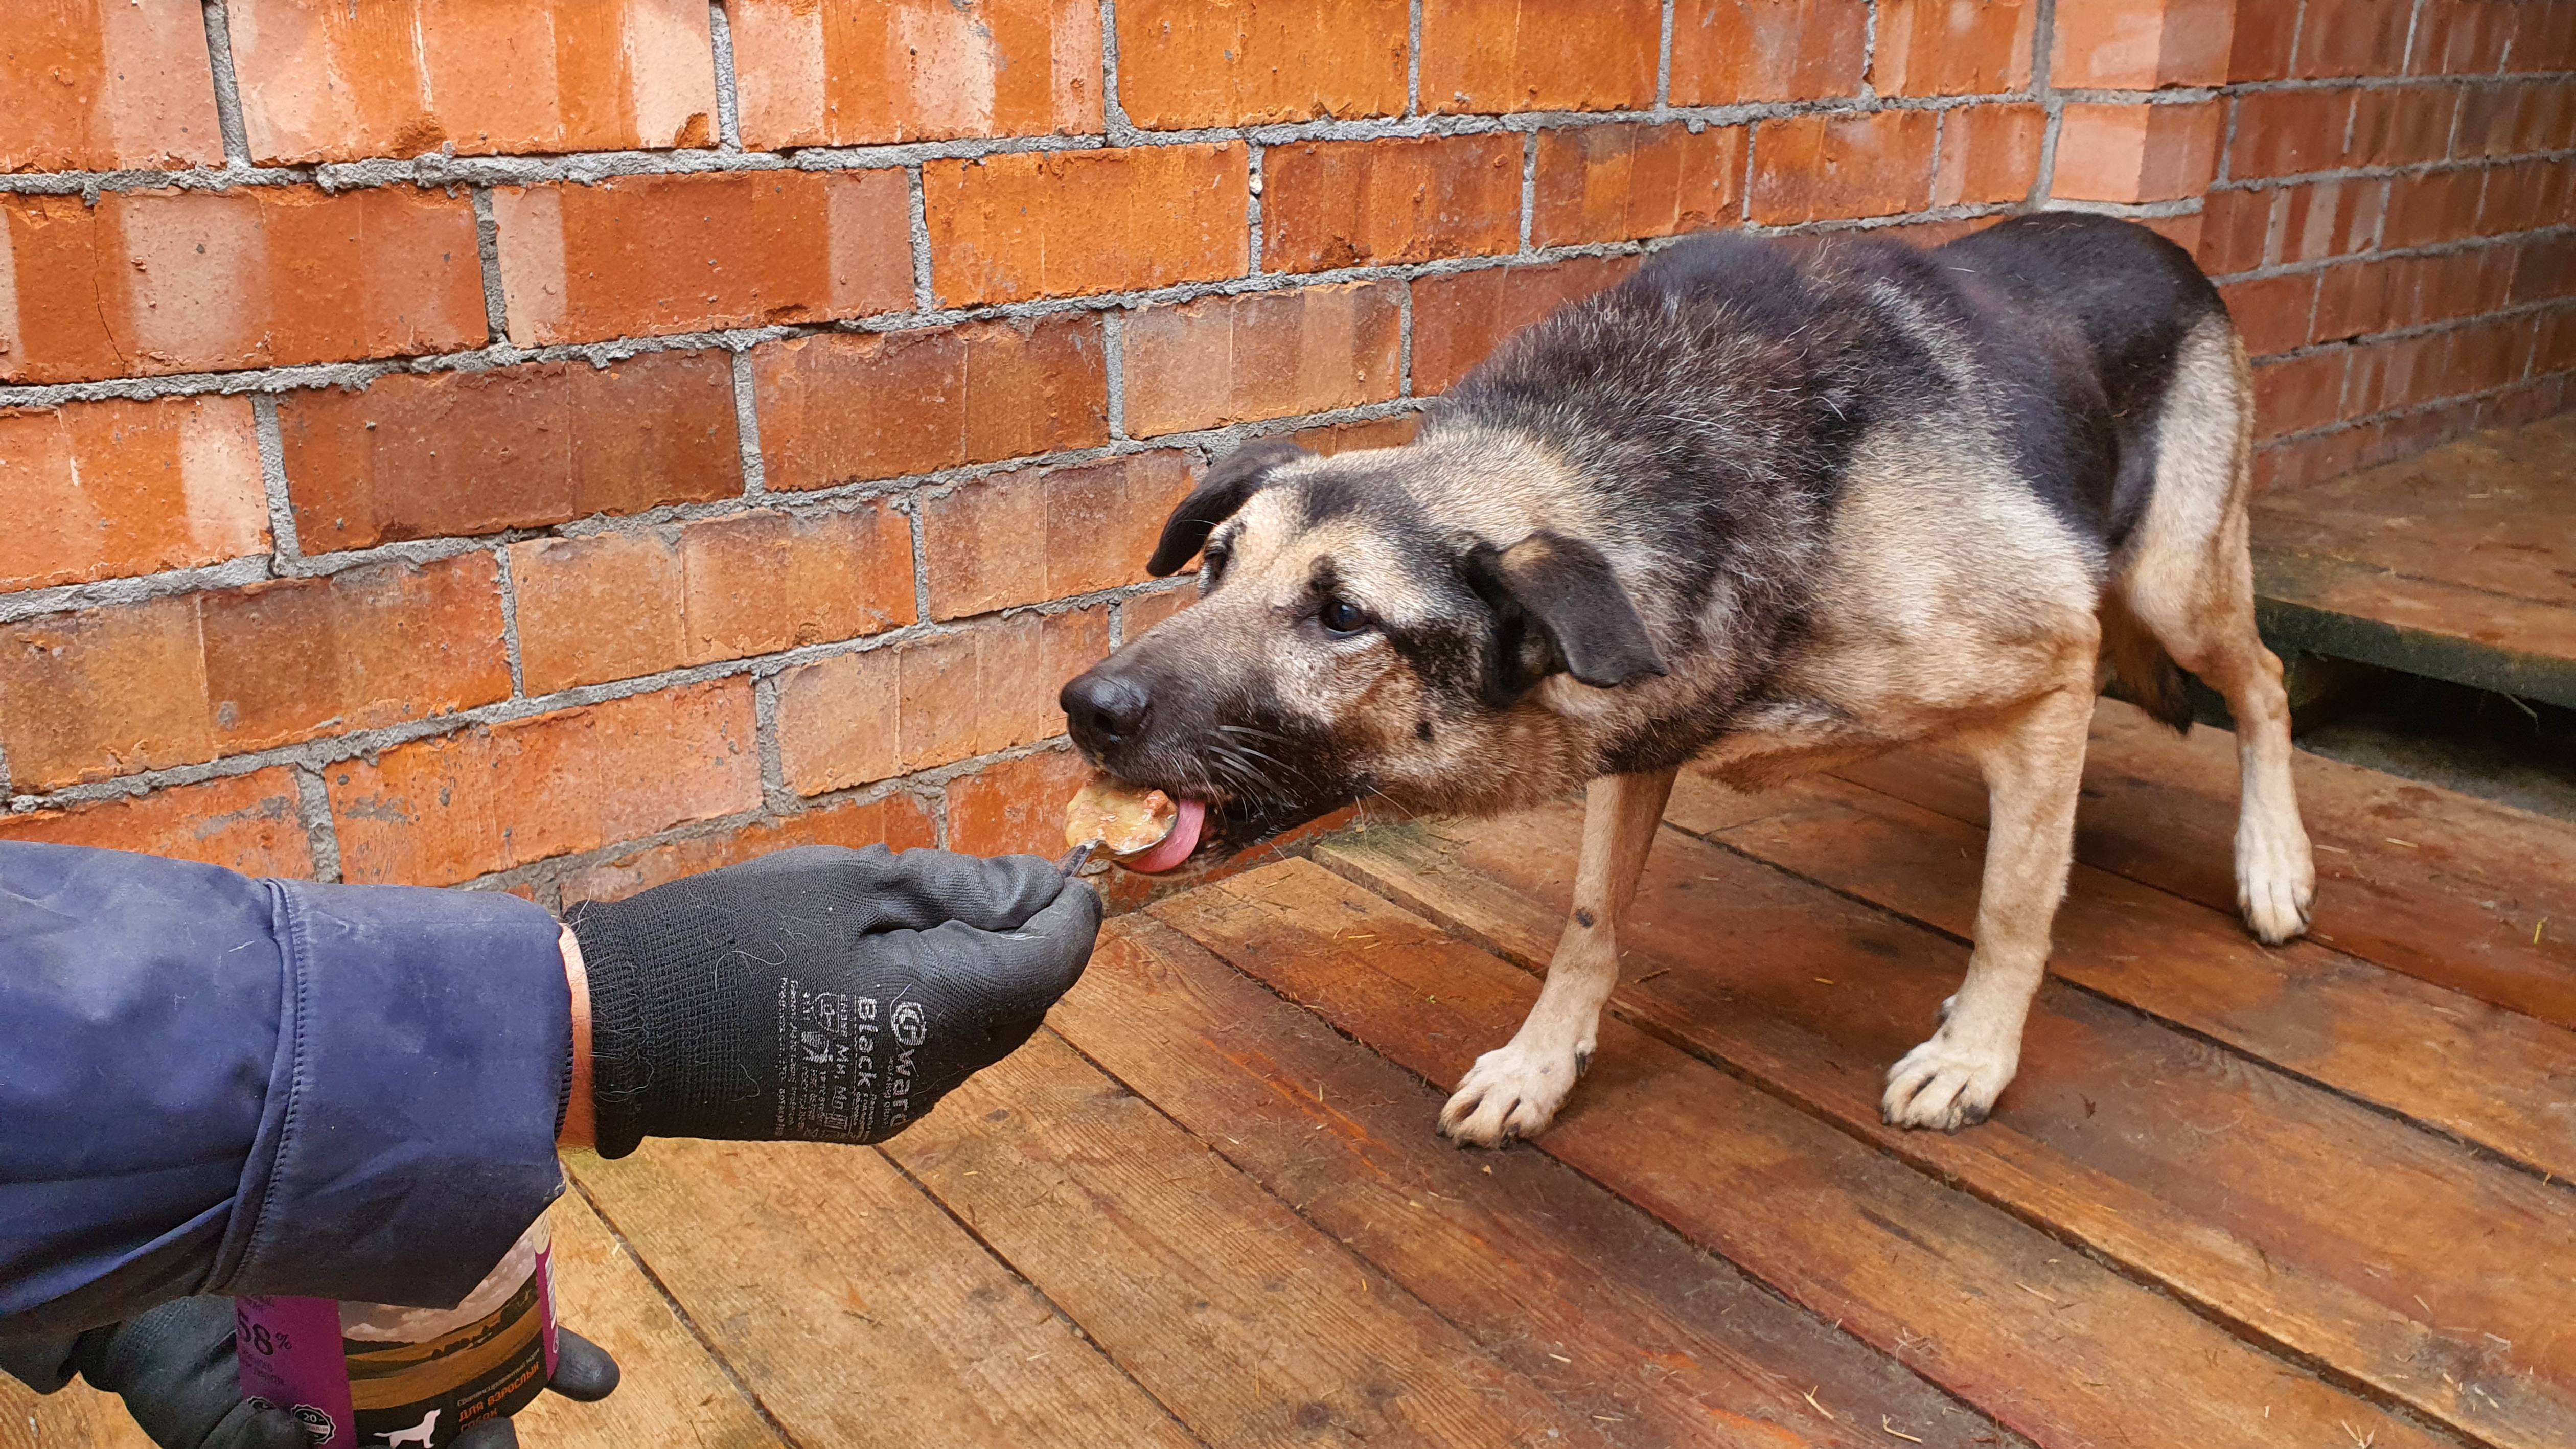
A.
x: 347, y: 1392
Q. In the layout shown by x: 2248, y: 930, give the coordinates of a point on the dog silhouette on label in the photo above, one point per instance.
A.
x: 417, y: 1434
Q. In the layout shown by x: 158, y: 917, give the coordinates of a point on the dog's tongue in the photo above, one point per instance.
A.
x: 1176, y: 847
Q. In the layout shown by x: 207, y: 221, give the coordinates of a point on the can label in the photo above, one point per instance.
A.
x: 356, y: 1392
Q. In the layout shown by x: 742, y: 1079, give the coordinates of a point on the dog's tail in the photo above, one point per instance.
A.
x: 2145, y: 675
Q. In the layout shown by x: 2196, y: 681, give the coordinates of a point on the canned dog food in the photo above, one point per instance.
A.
x: 385, y: 1377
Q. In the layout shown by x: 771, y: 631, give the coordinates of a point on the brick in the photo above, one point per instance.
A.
x: 2525, y: 196
x: 2354, y: 299
x: 897, y: 821
x: 2463, y: 37
x: 1726, y: 52
x: 2354, y: 37
x: 2284, y: 133
x: 1813, y: 168
x: 1184, y: 63
x: 2401, y: 125
x: 2307, y: 460
x: 1035, y: 535
x: 2554, y: 351
x: 2544, y: 269
x: 2394, y: 374
x: 2272, y: 314
x: 869, y: 72
x: 1953, y: 47
x: 1224, y: 360
x: 2545, y: 35
x: 854, y: 719
x: 1329, y: 204
x: 1989, y: 154
x: 1331, y: 438
x: 268, y: 276
x: 1459, y: 318
x: 2514, y: 118
x: 97, y: 85
x: 2261, y: 47
x: 1142, y: 613
x: 184, y: 679
x: 432, y: 455
x: 250, y: 823
x: 2331, y: 219
x: 2522, y: 404
x: 111, y: 489
x: 849, y: 408
x: 2297, y: 394
x: 2183, y: 230
x: 2430, y: 207
x: 1064, y: 223
x: 406, y: 77
x: 2141, y: 45
x: 694, y: 253
x: 1539, y: 55
x: 2136, y: 153
x: 1627, y: 181
x: 1015, y: 807
x: 2237, y: 228
x: 485, y: 799
x: 622, y: 605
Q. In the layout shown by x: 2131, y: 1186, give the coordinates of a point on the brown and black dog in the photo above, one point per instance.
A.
x: 1767, y: 509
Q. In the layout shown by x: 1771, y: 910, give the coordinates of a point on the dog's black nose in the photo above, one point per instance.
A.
x: 1105, y: 709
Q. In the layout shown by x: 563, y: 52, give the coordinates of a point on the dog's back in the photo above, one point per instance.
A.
x: 2084, y: 348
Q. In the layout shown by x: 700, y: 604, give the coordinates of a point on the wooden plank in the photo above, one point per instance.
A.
x: 856, y: 1309
x: 670, y: 1390
x: 2346, y: 609
x: 2453, y: 890
x: 2313, y: 1222
x: 2492, y: 1076
x: 1253, y: 1327
x: 2459, y: 564
x: 77, y: 1417
x: 1653, y: 1340
x: 2051, y: 1342
x: 2496, y: 513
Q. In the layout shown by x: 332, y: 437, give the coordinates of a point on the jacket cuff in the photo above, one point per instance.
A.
x: 409, y: 1138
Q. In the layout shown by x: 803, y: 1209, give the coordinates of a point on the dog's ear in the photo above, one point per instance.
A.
x: 1235, y: 477
x: 1557, y: 606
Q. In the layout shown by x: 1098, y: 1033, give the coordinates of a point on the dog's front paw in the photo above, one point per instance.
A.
x: 2276, y: 881
x: 1511, y: 1091
x: 1946, y: 1083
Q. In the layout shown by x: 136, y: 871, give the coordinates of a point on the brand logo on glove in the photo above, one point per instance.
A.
x: 909, y: 1024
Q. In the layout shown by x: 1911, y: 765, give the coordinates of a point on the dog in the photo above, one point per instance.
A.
x: 1772, y: 508
x: 420, y: 1433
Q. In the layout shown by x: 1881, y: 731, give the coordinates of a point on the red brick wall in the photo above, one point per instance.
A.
x: 556, y: 445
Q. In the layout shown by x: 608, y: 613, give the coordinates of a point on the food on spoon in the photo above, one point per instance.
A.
x: 1145, y: 830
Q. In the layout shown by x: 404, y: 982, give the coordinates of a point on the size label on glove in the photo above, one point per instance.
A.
x: 849, y: 1063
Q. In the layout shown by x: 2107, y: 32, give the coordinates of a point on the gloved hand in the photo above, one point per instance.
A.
x: 175, y: 1369
x: 820, y: 994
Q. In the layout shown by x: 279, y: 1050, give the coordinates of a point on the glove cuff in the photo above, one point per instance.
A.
x: 620, y: 1068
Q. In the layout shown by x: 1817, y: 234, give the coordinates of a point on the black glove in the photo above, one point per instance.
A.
x: 820, y: 994
x: 175, y: 1369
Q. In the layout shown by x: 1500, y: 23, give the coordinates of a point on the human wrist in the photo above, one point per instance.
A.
x: 580, y: 1126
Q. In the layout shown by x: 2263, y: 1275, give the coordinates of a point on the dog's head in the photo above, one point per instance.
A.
x: 1378, y: 624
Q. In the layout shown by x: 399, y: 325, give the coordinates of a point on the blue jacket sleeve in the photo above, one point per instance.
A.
x: 212, y: 1084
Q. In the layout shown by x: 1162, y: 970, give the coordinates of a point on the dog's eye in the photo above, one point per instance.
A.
x: 1212, y: 561
x: 1341, y: 618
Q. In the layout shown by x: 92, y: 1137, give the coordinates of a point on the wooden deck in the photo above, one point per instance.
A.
x: 2313, y: 1197
x: 2459, y: 564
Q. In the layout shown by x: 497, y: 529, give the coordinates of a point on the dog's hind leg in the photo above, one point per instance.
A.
x: 1514, y: 1090
x: 2190, y: 579
x: 2034, y: 770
